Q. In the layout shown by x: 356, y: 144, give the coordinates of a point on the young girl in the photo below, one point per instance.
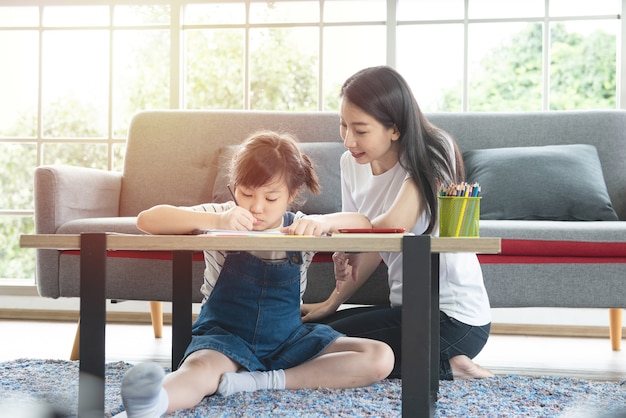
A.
x: 395, y: 164
x: 249, y: 334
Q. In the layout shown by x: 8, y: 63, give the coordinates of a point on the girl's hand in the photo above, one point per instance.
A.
x: 305, y: 226
x: 345, y: 267
x: 237, y: 219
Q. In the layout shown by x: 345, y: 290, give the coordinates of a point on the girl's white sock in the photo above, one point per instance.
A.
x: 143, y: 395
x: 250, y: 381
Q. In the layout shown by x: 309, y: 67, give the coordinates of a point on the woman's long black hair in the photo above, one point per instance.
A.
x: 425, y: 150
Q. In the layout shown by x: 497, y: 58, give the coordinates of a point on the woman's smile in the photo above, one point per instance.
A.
x: 357, y: 155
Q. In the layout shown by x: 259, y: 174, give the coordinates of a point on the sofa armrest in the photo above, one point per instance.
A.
x: 65, y: 193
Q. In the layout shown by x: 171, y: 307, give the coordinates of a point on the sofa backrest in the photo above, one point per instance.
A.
x: 172, y: 156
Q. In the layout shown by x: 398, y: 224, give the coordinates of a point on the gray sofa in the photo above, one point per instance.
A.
x: 177, y: 157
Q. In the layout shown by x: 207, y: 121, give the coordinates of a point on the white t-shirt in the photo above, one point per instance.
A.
x: 214, y: 259
x: 462, y: 293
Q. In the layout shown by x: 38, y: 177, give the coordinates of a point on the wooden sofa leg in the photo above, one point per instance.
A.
x: 75, y: 354
x: 615, y: 328
x: 156, y: 313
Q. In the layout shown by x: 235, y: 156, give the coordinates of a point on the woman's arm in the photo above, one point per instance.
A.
x: 404, y: 211
x: 315, y: 311
x: 326, y: 224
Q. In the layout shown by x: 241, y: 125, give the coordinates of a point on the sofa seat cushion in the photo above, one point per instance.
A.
x: 557, y: 252
x: 600, y: 231
x: 553, y: 248
x: 556, y: 242
x: 122, y: 225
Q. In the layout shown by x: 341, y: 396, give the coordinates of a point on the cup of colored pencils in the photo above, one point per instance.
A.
x: 459, y: 210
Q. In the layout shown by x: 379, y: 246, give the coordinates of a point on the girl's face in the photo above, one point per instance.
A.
x: 267, y: 203
x: 367, y: 139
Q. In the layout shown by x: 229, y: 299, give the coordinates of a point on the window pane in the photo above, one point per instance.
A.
x: 19, y: 16
x: 18, y: 162
x: 284, y: 68
x: 119, y: 151
x: 355, y: 10
x: 214, y: 71
x: 142, y: 15
x: 16, y: 262
x: 435, y: 80
x: 430, y: 9
x: 584, y: 7
x: 583, y: 63
x: 75, y: 83
x: 215, y: 13
x: 76, y: 154
x: 284, y: 11
x: 346, y: 51
x: 491, y: 9
x: 505, y: 72
x: 76, y: 16
x: 141, y: 74
x: 18, y: 84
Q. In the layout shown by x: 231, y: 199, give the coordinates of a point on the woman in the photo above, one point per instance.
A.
x: 395, y: 165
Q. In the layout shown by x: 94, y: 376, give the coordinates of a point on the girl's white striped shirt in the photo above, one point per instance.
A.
x: 214, y: 259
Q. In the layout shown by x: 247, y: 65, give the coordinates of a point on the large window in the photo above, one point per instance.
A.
x: 74, y: 72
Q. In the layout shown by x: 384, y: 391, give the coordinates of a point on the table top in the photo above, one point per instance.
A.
x: 336, y: 242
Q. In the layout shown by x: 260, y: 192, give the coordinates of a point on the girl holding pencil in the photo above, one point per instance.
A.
x: 249, y: 333
x: 395, y: 165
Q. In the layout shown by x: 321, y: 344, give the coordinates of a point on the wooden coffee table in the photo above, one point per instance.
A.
x: 420, y: 312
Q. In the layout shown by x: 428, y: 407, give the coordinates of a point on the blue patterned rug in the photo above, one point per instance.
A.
x: 32, y: 385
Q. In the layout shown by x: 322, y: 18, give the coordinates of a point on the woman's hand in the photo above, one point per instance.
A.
x: 345, y: 267
x: 313, y: 312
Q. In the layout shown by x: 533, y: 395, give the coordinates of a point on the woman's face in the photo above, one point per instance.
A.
x: 367, y: 139
x: 267, y: 203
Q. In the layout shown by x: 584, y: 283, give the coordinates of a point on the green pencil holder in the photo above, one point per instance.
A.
x: 459, y: 216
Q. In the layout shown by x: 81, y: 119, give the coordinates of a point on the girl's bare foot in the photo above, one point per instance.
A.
x: 464, y: 368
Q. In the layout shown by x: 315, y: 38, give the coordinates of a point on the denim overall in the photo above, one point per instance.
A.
x: 253, y: 314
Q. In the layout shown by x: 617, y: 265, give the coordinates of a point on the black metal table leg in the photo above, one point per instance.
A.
x: 182, y: 274
x: 92, y: 324
x: 434, y: 327
x: 420, y: 364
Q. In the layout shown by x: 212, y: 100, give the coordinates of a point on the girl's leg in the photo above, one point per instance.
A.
x: 381, y: 323
x: 146, y: 393
x: 197, y: 377
x: 348, y: 362
x: 142, y: 391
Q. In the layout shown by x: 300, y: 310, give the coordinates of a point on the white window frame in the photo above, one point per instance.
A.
x: 12, y: 287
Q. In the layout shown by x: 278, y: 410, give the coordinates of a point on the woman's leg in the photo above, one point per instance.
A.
x: 459, y: 343
x: 348, y: 362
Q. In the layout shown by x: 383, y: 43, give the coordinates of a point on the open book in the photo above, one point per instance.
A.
x: 233, y: 233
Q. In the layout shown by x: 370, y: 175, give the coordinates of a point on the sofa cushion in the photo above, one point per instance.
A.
x: 552, y: 182
x: 325, y: 157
